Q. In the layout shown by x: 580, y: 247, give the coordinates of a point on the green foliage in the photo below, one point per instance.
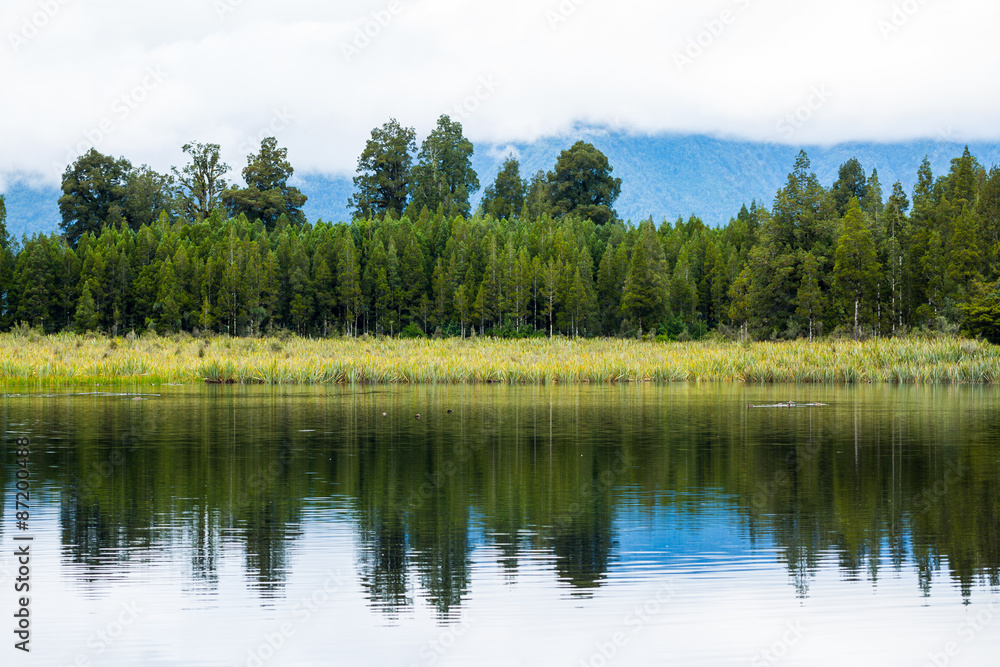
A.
x: 982, y: 312
x: 582, y: 184
x: 809, y: 299
x: 850, y: 184
x: 148, y: 196
x: 856, y: 269
x: 86, y: 312
x: 383, y: 180
x: 94, y: 188
x: 444, y: 176
x: 505, y: 197
x: 267, y: 195
x: 411, y: 331
x: 202, y: 180
x: 538, y: 260
x: 644, y: 297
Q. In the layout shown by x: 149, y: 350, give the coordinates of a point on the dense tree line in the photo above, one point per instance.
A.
x: 548, y: 255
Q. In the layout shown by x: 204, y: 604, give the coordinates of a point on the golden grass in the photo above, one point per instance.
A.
x: 72, y: 359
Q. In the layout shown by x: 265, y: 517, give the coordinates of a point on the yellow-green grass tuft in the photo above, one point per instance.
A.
x: 86, y: 360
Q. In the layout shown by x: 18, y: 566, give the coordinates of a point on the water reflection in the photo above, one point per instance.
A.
x: 593, y: 480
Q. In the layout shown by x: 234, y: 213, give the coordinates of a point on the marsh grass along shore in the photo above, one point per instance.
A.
x: 82, y: 360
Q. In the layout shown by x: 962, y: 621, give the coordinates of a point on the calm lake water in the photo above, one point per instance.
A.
x: 624, y: 525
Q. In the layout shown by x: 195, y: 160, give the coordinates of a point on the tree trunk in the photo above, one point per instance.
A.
x: 857, y: 303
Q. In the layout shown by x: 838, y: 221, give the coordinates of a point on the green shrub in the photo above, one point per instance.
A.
x: 411, y: 331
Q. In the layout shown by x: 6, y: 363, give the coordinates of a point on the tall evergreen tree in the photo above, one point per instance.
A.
x: 855, y: 271
x: 384, y: 171
x: 505, y: 197
x: 7, y: 260
x: 850, y: 184
x: 148, y: 195
x: 267, y: 195
x: 988, y: 209
x: 168, y: 301
x: 202, y: 180
x: 644, y: 295
x: 94, y: 188
x: 86, y: 311
x: 300, y: 309
x: 582, y: 184
x: 809, y: 299
x: 965, y: 261
x: 348, y: 281
x: 4, y: 235
x: 444, y: 176
x: 538, y: 200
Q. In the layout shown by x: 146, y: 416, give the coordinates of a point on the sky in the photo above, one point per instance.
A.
x: 142, y: 79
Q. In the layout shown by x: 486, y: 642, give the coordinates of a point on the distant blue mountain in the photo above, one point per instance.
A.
x: 668, y: 176
x: 31, y: 210
x: 663, y: 176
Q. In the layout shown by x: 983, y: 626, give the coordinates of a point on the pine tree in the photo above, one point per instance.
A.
x: 505, y: 197
x: 412, y: 276
x: 86, y: 311
x: 645, y: 293
x: 167, y: 304
x: 851, y: 184
x: 856, y: 269
x: 373, y: 284
x: 740, y: 309
x: 549, y: 283
x: 802, y: 208
x: 961, y: 180
x: 384, y: 171
x: 441, y: 288
x: 348, y: 281
x: 935, y: 278
x: 988, y: 209
x: 964, y: 258
x: 894, y: 252
x: 872, y: 202
x: 251, y: 289
x: 489, y: 297
x: 683, y: 290
x: 642, y: 297
x: 394, y: 287
x: 717, y: 264
x: 230, y: 259
x: 518, y: 290
x: 186, y: 298
x: 33, y: 280
x: 611, y: 275
x: 325, y: 292
x: 300, y: 308
x: 809, y: 298
x: 4, y: 235
x: 464, y: 305
x: 444, y: 177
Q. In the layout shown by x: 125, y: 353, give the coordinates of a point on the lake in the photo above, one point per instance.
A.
x: 567, y: 525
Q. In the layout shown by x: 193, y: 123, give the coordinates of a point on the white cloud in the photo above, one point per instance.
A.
x: 78, y: 73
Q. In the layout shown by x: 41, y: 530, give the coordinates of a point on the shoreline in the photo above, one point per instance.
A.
x: 87, y: 360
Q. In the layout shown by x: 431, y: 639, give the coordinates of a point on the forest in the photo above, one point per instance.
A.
x: 543, y: 255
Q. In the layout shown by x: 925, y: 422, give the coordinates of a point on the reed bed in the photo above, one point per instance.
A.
x: 91, y: 360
